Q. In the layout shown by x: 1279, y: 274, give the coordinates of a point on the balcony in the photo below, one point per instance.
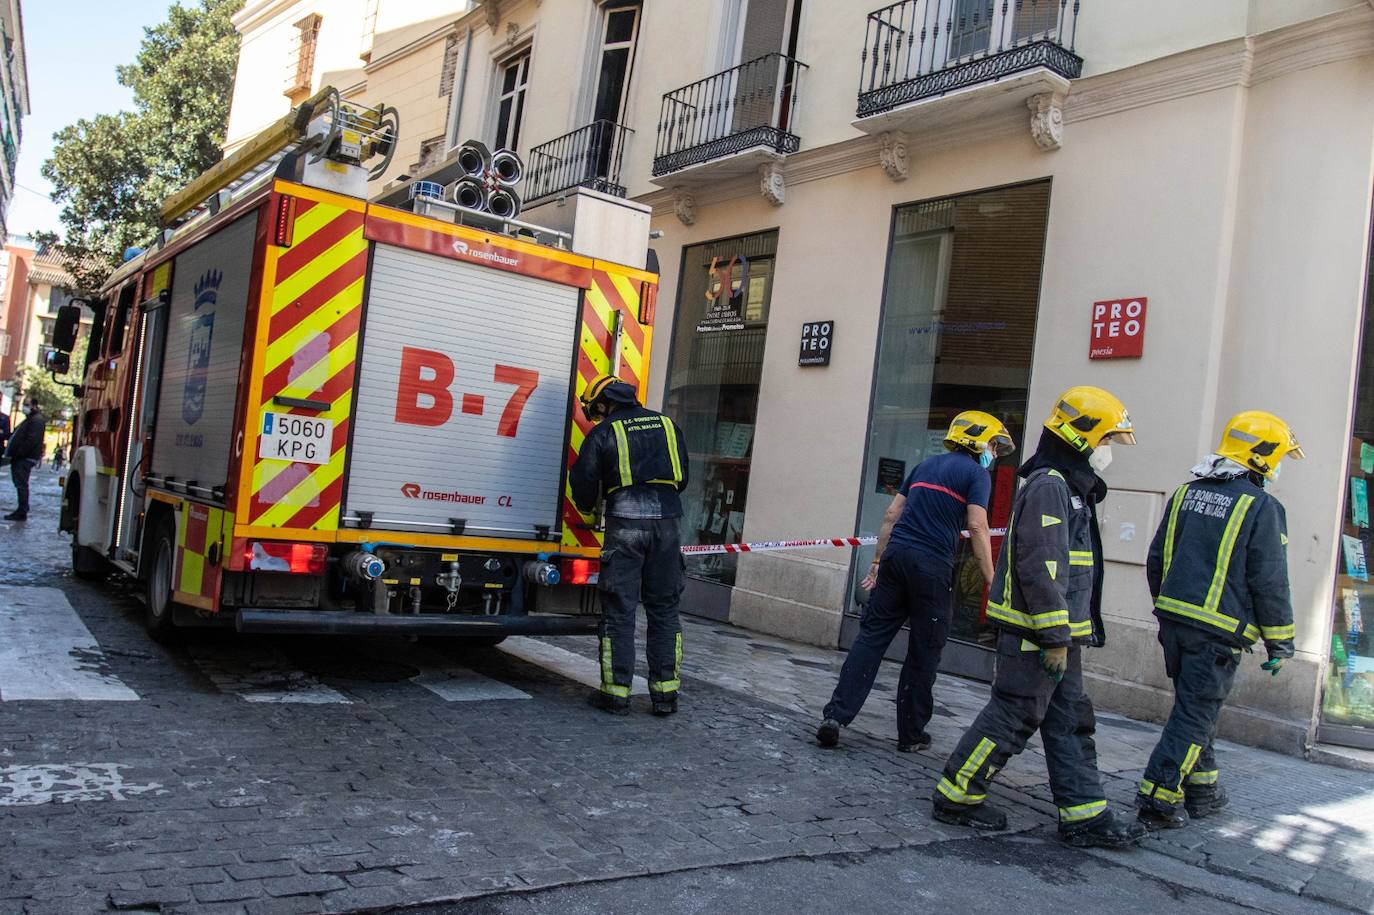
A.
x: 929, y: 62
x: 730, y: 123
x: 588, y: 157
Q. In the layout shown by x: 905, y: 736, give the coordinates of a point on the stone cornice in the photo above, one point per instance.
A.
x: 1237, y: 63
x: 254, y: 15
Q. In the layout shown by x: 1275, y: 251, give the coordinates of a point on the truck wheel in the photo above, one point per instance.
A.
x: 87, y: 564
x: 158, y: 605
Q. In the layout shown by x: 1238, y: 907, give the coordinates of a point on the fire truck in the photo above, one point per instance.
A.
x: 307, y: 411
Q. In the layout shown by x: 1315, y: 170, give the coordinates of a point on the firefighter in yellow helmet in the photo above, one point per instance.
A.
x: 636, y: 460
x: 910, y: 582
x: 1218, y: 571
x: 1046, y: 603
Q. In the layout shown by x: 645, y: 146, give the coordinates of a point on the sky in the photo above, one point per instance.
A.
x: 73, y: 47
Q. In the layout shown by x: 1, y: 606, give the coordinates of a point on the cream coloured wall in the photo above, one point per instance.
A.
x: 268, y: 30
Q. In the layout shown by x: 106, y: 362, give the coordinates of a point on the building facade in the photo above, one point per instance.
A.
x: 871, y: 219
x: 14, y: 101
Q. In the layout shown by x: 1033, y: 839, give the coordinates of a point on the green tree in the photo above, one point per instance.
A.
x: 112, y: 172
x: 52, y: 397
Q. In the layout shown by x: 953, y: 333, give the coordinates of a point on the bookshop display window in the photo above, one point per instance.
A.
x: 713, y: 386
x: 1348, y: 696
x: 957, y: 333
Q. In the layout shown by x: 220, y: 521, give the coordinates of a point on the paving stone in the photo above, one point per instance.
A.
x: 258, y: 870
x: 232, y: 891
x: 298, y: 886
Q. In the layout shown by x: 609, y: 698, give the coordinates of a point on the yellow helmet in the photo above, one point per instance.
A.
x: 1083, y: 416
x: 1258, y: 440
x: 976, y: 431
x: 606, y: 387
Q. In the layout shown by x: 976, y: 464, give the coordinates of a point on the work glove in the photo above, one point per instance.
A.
x: 1055, y: 661
x: 1275, y: 662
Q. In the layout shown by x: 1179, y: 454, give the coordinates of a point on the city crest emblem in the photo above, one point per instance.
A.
x: 198, y: 346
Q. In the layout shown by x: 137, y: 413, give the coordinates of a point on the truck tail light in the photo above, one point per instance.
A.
x: 579, y: 571
x: 648, y: 302
x: 293, y: 558
x: 284, y: 221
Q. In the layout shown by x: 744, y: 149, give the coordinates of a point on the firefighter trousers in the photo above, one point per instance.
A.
x: 1203, y: 669
x: 1024, y: 699
x: 641, y: 562
x: 911, y: 589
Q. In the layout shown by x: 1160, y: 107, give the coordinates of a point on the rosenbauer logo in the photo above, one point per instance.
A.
x: 415, y: 491
x: 461, y: 247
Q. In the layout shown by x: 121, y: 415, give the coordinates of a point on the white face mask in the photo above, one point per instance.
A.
x: 1101, y: 458
x: 1274, y: 477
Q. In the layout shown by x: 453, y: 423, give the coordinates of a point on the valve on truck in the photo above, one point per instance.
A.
x: 363, y: 567
x: 542, y: 573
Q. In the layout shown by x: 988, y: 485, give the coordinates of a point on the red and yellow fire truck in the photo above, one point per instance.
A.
x: 304, y: 411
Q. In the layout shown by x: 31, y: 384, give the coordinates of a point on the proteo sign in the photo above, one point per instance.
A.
x: 1118, y: 329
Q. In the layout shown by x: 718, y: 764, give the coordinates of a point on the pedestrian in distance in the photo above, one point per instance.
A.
x: 1218, y: 573
x: 23, y: 452
x: 911, y: 580
x: 4, y: 431
x: 59, y: 454
x: 636, y: 461
x: 1045, y: 602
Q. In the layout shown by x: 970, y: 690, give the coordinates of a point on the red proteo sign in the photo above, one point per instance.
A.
x: 1118, y: 329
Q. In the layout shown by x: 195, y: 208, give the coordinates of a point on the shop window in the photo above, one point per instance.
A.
x: 957, y: 333
x: 1348, y: 697
x: 713, y: 386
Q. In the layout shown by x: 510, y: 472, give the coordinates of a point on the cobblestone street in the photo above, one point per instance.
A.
x: 232, y: 775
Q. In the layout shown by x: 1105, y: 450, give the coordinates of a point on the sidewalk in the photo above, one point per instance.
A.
x: 1292, y: 826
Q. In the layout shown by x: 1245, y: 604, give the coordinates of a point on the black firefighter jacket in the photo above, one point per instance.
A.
x: 1047, y: 586
x: 1219, y: 562
x: 27, y: 441
x: 635, y: 457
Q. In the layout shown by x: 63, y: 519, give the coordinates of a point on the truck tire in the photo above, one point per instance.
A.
x: 87, y: 564
x: 158, y: 606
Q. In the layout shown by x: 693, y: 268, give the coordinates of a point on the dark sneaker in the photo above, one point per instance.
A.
x: 1205, y: 802
x: 974, y: 816
x: 17, y: 516
x: 615, y: 705
x: 1157, y: 816
x: 920, y: 743
x: 1105, y: 830
x: 665, y: 706
x: 828, y: 734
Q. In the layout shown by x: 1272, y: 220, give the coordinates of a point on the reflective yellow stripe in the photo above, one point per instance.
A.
x: 1081, y: 812
x: 1055, y: 473
x: 957, y: 790
x: 1027, y: 620
x: 1189, y: 761
x: 1203, y: 778
x: 1194, y: 612
x: 1053, y: 568
x: 1049, y: 521
x: 1173, y: 525
x: 1251, y: 632
x: 1224, y: 551
x: 1081, y: 627
x: 622, y: 447
x: 1080, y: 557
x: 608, y: 684
x: 1029, y: 646
x: 665, y: 686
x: 671, y: 435
x: 1150, y: 789
x: 1276, y: 633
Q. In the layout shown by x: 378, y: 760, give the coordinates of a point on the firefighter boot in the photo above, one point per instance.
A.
x: 1204, y: 800
x: 828, y: 734
x: 614, y: 705
x: 1156, y: 814
x: 665, y: 705
x: 1105, y: 830
x: 920, y: 742
x: 974, y: 816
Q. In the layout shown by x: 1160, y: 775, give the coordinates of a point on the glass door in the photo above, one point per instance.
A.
x: 957, y: 333
x: 713, y: 393
x: 1347, y: 715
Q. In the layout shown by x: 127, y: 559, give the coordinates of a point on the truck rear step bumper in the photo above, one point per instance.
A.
x: 339, y: 622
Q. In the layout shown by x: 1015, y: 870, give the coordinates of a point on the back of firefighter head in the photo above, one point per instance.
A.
x: 1258, y: 441
x: 980, y: 434
x: 1091, y: 420
x: 605, y: 395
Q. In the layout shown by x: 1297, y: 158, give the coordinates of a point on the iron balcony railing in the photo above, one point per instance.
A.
x: 588, y: 157
x: 916, y: 49
x: 752, y: 105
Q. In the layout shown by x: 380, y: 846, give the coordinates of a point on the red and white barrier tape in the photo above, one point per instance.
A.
x: 773, y: 546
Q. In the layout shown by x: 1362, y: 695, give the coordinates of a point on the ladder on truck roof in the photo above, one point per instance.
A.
x: 323, y: 127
